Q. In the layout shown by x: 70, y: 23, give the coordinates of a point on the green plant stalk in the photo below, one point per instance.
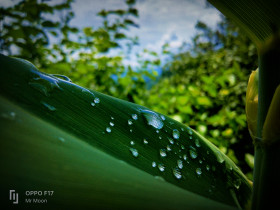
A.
x: 267, y: 171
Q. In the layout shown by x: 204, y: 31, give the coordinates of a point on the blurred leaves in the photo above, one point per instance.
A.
x: 27, y: 28
x: 205, y: 88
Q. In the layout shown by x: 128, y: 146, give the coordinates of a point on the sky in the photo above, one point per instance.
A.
x: 159, y: 20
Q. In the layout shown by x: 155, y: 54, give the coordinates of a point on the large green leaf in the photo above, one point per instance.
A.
x: 258, y: 18
x: 35, y: 155
x: 107, y: 151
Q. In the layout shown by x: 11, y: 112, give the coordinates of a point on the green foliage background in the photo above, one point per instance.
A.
x: 202, y: 86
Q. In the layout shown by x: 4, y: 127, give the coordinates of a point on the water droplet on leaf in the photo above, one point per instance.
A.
x: 48, y: 106
x: 9, y: 115
x: 162, y: 152
x: 170, y: 140
x: 62, y: 76
x: 197, y: 143
x: 134, y: 152
x: 177, y: 173
x: 153, y: 119
x: 13, y: 115
x: 134, y: 116
x: 61, y: 139
x: 198, y: 171
x: 88, y: 93
x: 97, y: 100
x: 161, y: 167
x: 176, y: 134
x: 160, y: 178
x: 193, y: 154
x: 180, y: 164
x: 168, y: 147
x: 220, y: 157
x: 189, y: 130
x: 44, y: 84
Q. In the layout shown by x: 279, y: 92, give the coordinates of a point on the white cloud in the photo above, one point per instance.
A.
x: 8, y: 3
x: 166, y: 38
x: 159, y: 20
x: 86, y: 10
x: 157, y: 17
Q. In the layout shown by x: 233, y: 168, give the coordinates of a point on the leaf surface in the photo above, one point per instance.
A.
x: 96, y: 143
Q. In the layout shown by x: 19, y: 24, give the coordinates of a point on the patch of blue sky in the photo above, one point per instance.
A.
x: 160, y: 22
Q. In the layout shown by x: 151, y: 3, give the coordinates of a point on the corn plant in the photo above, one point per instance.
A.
x: 261, y: 21
x: 95, y: 151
